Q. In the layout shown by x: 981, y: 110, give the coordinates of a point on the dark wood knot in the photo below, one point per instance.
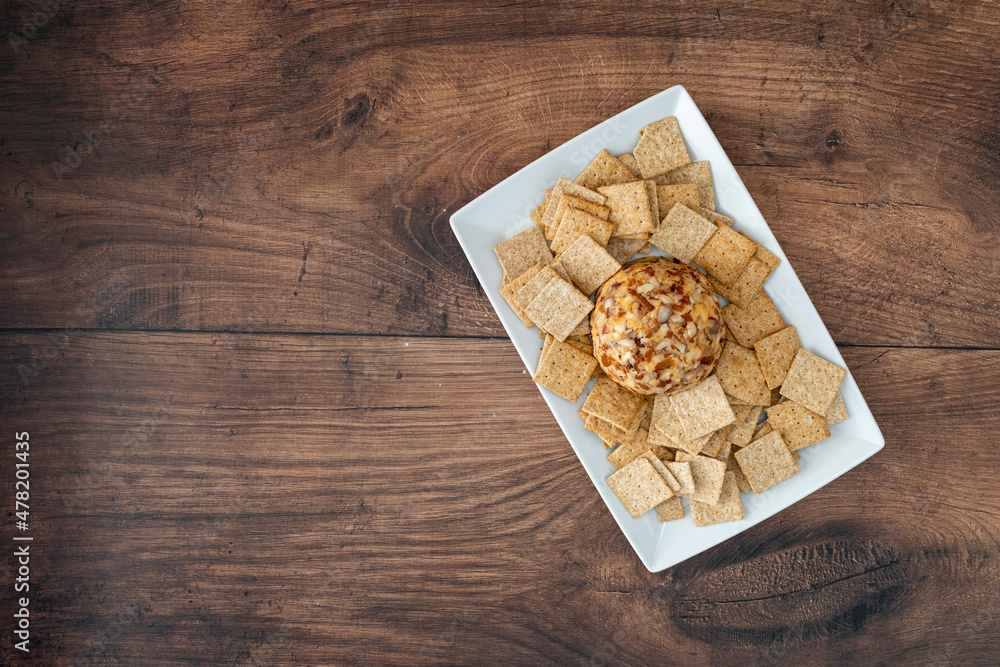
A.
x: 785, y: 597
x: 356, y: 110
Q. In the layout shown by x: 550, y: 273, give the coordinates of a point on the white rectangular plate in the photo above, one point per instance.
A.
x: 503, y: 211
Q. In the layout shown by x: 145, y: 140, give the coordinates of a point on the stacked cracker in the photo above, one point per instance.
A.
x: 705, y: 443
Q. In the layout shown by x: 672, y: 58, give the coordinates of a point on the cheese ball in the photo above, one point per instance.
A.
x: 657, y: 326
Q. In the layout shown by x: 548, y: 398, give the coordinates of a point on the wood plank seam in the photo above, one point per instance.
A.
x: 334, y: 334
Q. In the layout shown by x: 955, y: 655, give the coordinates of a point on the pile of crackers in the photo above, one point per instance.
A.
x: 736, y: 431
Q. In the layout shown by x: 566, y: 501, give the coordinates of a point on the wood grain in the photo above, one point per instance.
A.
x: 260, y: 499
x: 292, y: 166
x: 195, y: 195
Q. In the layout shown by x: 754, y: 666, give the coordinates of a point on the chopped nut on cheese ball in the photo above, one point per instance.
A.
x: 657, y: 326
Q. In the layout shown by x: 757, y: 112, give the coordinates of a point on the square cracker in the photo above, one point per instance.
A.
x: 615, y: 404
x: 570, y: 202
x: 761, y: 431
x: 670, y: 510
x: 776, y: 353
x: 662, y: 469
x: 637, y: 438
x: 812, y: 381
x: 658, y: 438
x: 565, y: 370
x: 661, y: 148
x: 717, y: 218
x: 581, y: 343
x: 740, y: 408
x: 733, y: 401
x: 741, y: 481
x: 665, y: 428
x: 725, y: 452
x: 639, y: 487
x: 765, y: 397
x: 583, y: 328
x: 708, y: 474
x: 662, y: 453
x: 668, y: 195
x: 522, y: 251
x: 575, y: 223
x: 629, y: 451
x: 546, y: 344
x: 566, y: 186
x: 630, y: 211
x: 697, y: 444
x: 663, y: 412
x: 510, y: 290
x: 726, y: 255
x: 703, y: 408
x: 613, y: 435
x: 682, y: 456
x: 654, y: 206
x: 799, y: 427
x: 758, y: 319
x: 742, y: 433
x: 558, y: 308
x: 728, y: 508
x: 588, y: 264
x: 766, y: 462
x: 697, y: 173
x: 739, y: 373
x: 747, y: 286
x: 769, y: 259
x: 660, y: 464
x: 538, y: 214
x: 623, y: 249
x: 683, y: 233
x: 567, y: 203
x: 628, y: 160
x: 681, y: 470
x: 557, y: 266
x: 764, y: 255
x: 838, y: 410
x: 605, y: 169
x: 716, y: 442
x: 534, y: 286
x: 607, y: 432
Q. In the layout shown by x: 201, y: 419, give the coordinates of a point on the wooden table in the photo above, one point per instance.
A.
x: 274, y: 419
